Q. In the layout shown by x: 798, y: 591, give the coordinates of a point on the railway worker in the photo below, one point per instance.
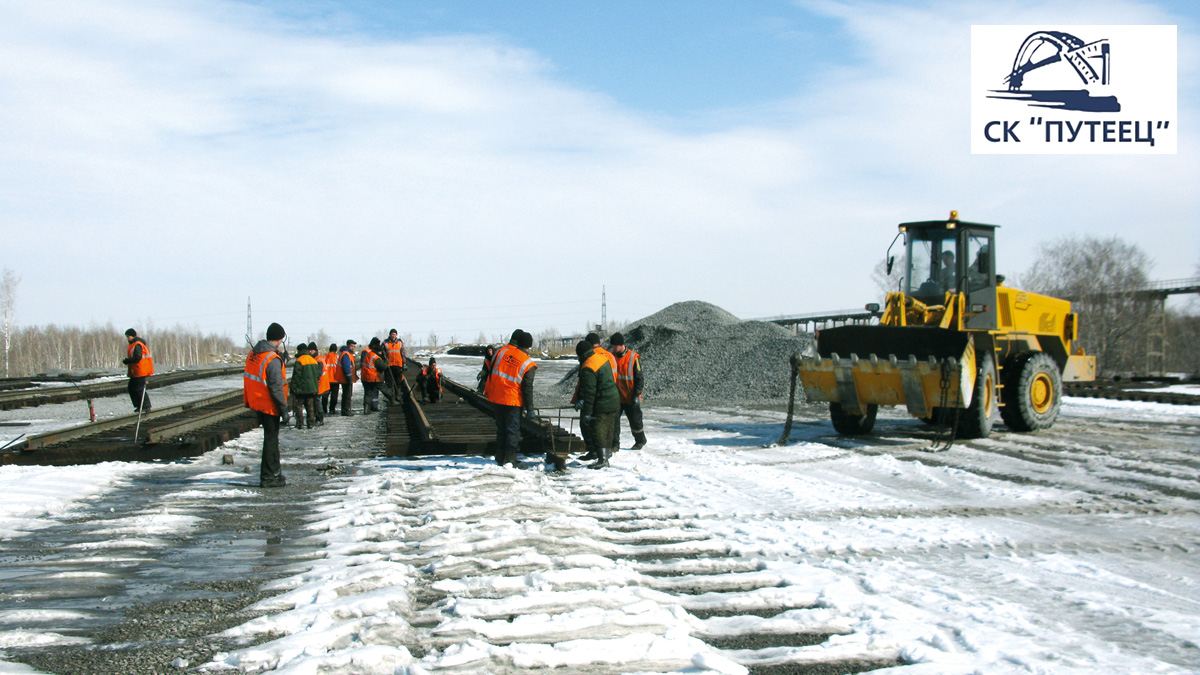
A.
x: 599, y: 400
x: 629, y: 385
x: 306, y: 380
x: 592, y: 339
x: 322, y: 382
x: 510, y: 388
x: 431, y: 381
x: 489, y: 353
x: 329, y: 400
x: 345, y: 374
x: 395, y: 358
x: 372, y: 364
x: 265, y: 390
x: 140, y: 365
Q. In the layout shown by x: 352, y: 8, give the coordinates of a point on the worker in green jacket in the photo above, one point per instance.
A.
x: 599, y: 401
x: 306, y: 378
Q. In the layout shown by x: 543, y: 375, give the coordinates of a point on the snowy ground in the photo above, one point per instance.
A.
x: 1067, y: 551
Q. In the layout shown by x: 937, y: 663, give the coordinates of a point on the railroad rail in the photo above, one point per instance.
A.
x: 462, y: 423
x: 184, y: 430
x: 1128, y: 391
x: 27, y: 398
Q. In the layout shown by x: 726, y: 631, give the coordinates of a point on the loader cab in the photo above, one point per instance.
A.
x: 951, y: 256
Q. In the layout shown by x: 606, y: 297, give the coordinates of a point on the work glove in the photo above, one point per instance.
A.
x: 531, y: 415
x: 579, y: 405
x: 586, y: 419
x: 283, y: 419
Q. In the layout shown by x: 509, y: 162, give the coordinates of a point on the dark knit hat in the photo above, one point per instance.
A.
x: 593, y: 338
x: 582, y: 347
x: 302, y: 347
x: 332, y: 346
x: 275, y: 332
x: 525, y: 341
x: 393, y: 331
x: 516, y: 336
x: 374, y: 343
x: 312, y: 346
x: 616, y: 340
x: 131, y: 333
x: 351, y: 343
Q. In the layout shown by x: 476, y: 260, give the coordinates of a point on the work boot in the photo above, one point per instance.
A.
x: 639, y: 438
x: 273, y: 481
x: 601, y: 463
x: 589, y: 455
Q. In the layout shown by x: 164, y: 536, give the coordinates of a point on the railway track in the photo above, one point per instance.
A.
x: 462, y: 424
x: 21, y: 395
x: 184, y: 430
x: 1127, y: 391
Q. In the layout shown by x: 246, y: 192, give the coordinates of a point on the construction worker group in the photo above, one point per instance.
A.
x: 609, y: 385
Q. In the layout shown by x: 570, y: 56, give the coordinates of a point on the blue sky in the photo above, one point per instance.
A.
x: 467, y: 167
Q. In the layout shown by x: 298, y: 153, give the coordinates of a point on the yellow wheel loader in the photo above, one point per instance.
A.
x: 952, y: 346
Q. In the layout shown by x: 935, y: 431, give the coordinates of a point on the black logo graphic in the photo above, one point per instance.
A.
x: 1090, y: 62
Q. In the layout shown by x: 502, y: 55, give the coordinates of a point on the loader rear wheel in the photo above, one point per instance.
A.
x: 1033, y: 393
x: 849, y: 424
x: 976, y: 421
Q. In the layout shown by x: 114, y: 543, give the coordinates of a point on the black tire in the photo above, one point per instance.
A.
x: 1032, y: 392
x: 976, y: 421
x: 852, y: 425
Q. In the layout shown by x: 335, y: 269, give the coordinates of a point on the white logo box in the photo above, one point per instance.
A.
x: 1066, y: 89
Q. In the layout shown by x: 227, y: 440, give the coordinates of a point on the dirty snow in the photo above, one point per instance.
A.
x: 1067, y: 551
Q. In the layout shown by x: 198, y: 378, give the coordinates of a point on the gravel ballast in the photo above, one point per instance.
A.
x: 699, y: 354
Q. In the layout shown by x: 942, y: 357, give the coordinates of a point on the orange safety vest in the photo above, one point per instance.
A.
x: 627, y: 365
x: 338, y: 375
x: 369, y: 372
x: 612, y: 360
x: 509, y: 366
x: 144, y: 367
x: 395, y: 352
x: 323, y: 381
x: 329, y: 360
x: 255, y: 393
x: 433, y: 374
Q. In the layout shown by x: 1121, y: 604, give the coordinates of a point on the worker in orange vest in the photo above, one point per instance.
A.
x: 140, y: 366
x: 372, y: 364
x: 431, y: 381
x: 599, y: 402
x: 395, y: 359
x: 322, y: 383
x: 592, y: 452
x: 510, y: 388
x: 345, y: 374
x: 329, y: 400
x: 265, y: 390
x: 630, y: 383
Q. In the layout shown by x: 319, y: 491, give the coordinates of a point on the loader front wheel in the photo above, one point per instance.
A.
x: 849, y: 424
x: 976, y: 421
x: 1033, y: 393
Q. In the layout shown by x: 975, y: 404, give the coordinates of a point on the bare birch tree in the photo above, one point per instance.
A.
x: 8, y: 308
x: 1101, y: 278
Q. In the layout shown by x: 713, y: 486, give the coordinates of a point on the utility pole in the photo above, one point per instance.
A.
x: 249, y: 325
x: 603, y: 309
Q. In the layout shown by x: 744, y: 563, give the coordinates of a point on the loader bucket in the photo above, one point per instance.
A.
x: 920, y: 368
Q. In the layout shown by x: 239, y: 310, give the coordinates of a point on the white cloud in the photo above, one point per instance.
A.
x: 174, y: 158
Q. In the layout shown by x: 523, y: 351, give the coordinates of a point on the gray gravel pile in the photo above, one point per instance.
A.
x: 697, y: 353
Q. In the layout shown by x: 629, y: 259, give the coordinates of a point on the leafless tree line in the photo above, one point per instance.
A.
x: 35, y: 350
x: 1128, y: 330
